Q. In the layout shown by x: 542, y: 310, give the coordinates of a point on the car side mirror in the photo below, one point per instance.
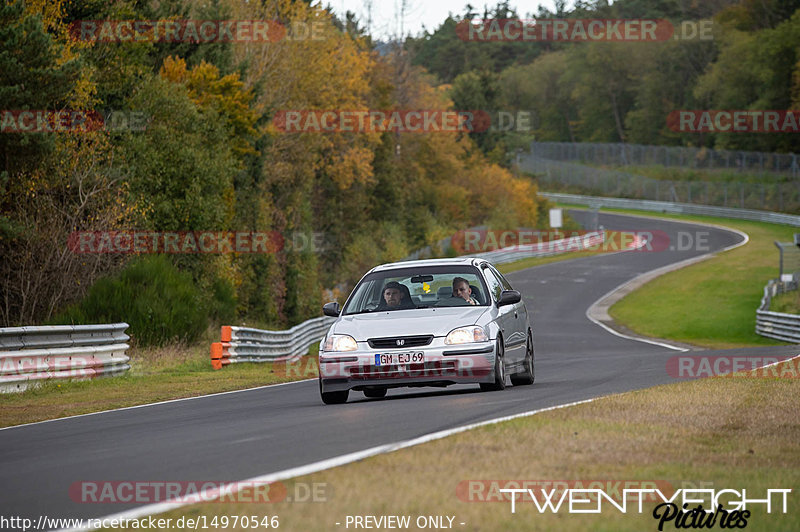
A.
x: 509, y: 297
x: 331, y: 309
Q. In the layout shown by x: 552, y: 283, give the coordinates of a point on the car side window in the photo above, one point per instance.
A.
x: 495, y: 286
x: 506, y: 284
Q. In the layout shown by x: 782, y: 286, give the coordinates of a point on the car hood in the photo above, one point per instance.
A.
x: 435, y: 321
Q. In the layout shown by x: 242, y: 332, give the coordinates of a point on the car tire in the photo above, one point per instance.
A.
x: 375, y: 393
x: 333, y: 398
x: 528, y: 375
x: 499, y: 370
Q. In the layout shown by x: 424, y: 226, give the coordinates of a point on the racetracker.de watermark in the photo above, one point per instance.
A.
x: 191, y: 242
x: 495, y: 490
x: 469, y: 241
x: 743, y: 366
x: 734, y: 121
x: 582, y: 30
x: 342, y: 366
x: 401, y: 121
x: 175, y: 31
x: 196, y: 491
x: 71, y: 121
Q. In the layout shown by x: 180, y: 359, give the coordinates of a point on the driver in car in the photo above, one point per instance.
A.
x: 394, y: 297
x: 462, y: 289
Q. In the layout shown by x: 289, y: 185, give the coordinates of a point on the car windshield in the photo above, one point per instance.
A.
x: 419, y: 287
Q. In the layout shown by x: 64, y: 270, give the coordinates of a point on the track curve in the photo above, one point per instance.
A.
x: 239, y: 435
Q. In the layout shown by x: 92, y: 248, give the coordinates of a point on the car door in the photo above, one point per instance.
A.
x: 516, y: 323
x: 506, y: 317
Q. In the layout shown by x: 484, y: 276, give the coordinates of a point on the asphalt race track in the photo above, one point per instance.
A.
x: 242, y: 435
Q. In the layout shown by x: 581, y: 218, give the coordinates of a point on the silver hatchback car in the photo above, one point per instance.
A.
x: 426, y: 323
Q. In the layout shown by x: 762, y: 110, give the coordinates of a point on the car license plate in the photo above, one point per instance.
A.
x: 385, y: 359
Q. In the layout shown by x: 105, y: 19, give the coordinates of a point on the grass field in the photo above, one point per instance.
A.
x: 788, y: 303
x: 723, y: 433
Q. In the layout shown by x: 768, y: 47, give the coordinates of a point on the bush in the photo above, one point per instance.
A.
x: 159, y: 303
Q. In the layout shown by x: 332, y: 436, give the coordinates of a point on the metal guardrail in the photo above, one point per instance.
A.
x: 29, y: 355
x: 674, y: 208
x: 243, y: 344
x: 777, y: 325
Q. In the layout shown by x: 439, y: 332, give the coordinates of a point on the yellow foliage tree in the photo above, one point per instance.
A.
x: 227, y: 95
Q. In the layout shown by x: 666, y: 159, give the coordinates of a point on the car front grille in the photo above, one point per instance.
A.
x: 399, y: 342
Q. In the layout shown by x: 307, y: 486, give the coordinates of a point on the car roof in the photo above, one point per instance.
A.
x: 461, y: 261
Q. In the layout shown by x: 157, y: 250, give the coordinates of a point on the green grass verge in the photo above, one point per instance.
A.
x: 788, y: 303
x: 745, y: 437
x: 713, y: 303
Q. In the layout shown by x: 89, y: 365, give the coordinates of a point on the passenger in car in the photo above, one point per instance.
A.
x: 395, y: 297
x: 462, y: 289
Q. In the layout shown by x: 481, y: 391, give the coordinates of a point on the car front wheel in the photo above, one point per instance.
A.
x: 333, y: 398
x: 528, y: 374
x: 499, y: 370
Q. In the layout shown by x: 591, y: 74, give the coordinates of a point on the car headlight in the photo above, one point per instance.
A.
x: 466, y: 335
x: 340, y: 342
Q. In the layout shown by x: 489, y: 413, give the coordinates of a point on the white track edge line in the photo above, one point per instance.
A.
x: 315, y: 467
x: 152, y: 404
x: 336, y: 461
x: 778, y: 362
